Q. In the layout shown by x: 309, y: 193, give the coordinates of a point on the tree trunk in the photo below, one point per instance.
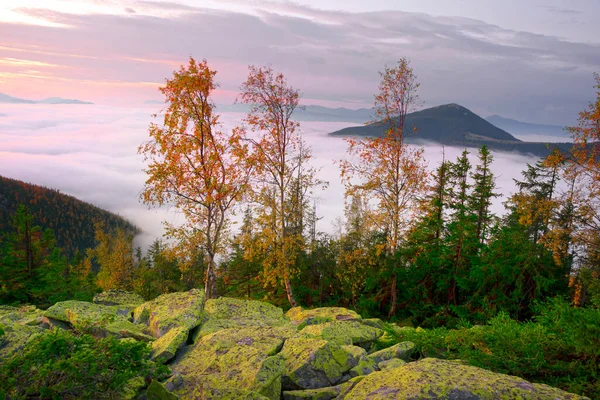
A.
x: 288, y: 291
x: 210, y: 287
x: 394, y: 296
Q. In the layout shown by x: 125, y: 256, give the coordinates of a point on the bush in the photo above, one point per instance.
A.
x: 561, y: 347
x: 61, y: 365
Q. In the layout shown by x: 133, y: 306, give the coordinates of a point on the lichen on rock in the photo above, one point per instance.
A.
x: 343, y: 332
x: 438, y: 379
x: 304, y: 317
x: 244, y: 359
x: 15, y: 337
x: 172, y: 310
x: 225, y: 313
x: 314, y: 363
x: 118, y: 297
x: 402, y: 350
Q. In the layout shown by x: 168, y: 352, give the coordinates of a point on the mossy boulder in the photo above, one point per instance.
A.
x: 26, y: 315
x: 165, y: 348
x: 225, y: 313
x: 343, y: 332
x: 118, y: 298
x: 14, y: 337
x: 303, y: 317
x: 438, y: 379
x: 314, y: 363
x: 326, y: 393
x: 402, y: 350
x: 374, y: 322
x: 172, y: 310
x: 157, y: 391
x: 100, y: 320
x: 392, y: 363
x: 76, y: 312
x: 232, y: 363
x: 365, y: 366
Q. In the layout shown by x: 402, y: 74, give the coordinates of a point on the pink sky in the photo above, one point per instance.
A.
x: 119, y: 52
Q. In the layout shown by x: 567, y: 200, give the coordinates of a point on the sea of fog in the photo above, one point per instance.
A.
x: 90, y: 152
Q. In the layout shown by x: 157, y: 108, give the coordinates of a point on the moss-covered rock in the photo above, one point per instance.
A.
x: 392, y: 363
x: 118, y: 298
x: 374, y: 322
x: 165, y: 348
x: 132, y: 388
x: 314, y: 363
x: 365, y: 366
x: 15, y: 336
x: 225, y: 313
x: 157, y: 391
x: 343, y: 333
x: 172, y: 310
x: 26, y: 315
x: 232, y: 363
x: 326, y: 393
x: 315, y: 316
x: 402, y: 350
x: 82, y: 312
x: 100, y: 320
x: 438, y: 379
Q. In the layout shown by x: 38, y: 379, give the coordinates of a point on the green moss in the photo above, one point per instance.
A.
x: 157, y: 391
x: 172, y: 310
x: 241, y: 358
x: 433, y: 378
x: 343, y: 333
x: 27, y: 315
x: 326, y: 393
x: 132, y: 388
x: 118, y: 298
x: 165, y: 348
x: 16, y: 337
x: 314, y: 363
x: 365, y: 366
x: 374, y: 322
x: 401, y: 350
x: 77, y: 312
x: 389, y: 364
x: 316, y: 316
x: 225, y: 313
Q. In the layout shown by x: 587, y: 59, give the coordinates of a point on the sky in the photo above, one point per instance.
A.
x: 530, y: 60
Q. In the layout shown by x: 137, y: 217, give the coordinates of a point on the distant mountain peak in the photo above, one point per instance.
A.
x: 4, y: 98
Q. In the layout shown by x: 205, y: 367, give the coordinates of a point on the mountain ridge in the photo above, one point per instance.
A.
x: 6, y: 99
x: 455, y: 125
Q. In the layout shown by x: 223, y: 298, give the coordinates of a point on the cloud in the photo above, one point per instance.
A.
x: 91, y: 153
x: 328, y: 55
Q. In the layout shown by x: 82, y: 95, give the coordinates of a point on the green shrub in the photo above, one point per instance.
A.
x: 61, y: 365
x: 561, y: 347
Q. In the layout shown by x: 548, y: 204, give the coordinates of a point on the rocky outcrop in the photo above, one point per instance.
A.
x: 119, y: 298
x: 438, y: 379
x: 244, y: 349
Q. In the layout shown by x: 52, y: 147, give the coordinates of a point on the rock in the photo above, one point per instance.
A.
x: 374, y: 322
x: 118, y: 298
x: 365, y: 366
x: 76, y: 312
x: 27, y: 315
x: 355, y: 351
x: 13, y: 338
x: 233, y: 363
x: 132, y: 388
x: 101, y: 320
x: 157, y: 391
x: 172, y: 310
x: 343, y: 333
x: 225, y: 313
x: 314, y: 363
x: 402, y: 350
x: 438, y: 379
x: 315, y: 316
x: 165, y: 348
x: 326, y: 393
x: 392, y: 363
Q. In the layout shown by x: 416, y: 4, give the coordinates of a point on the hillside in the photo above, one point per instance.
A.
x: 72, y: 220
x: 525, y: 128
x: 454, y: 125
x: 4, y: 98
